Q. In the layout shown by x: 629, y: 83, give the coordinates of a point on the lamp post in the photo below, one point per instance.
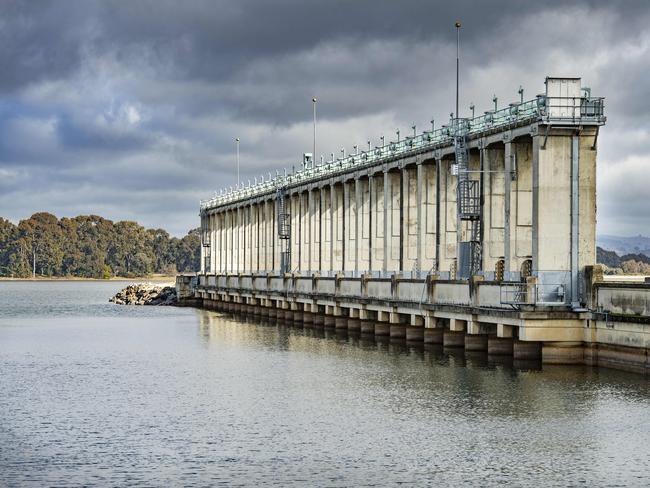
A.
x: 457, y: 61
x: 313, y: 100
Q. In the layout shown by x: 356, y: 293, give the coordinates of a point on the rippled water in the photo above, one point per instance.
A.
x: 98, y: 394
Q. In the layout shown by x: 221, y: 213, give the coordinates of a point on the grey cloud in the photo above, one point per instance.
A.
x: 131, y: 108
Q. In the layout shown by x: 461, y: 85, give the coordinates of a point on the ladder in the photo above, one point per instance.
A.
x: 469, y: 203
x: 284, y: 229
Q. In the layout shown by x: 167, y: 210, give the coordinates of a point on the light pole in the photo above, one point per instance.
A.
x: 314, y: 146
x: 237, y: 143
x: 457, y: 61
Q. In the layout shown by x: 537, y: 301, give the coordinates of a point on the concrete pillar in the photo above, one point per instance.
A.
x: 526, y: 350
x: 420, y: 216
x: 499, y: 346
x: 310, y: 233
x: 367, y: 327
x: 433, y: 336
x: 504, y: 330
x: 414, y: 333
x: 508, y: 161
x: 452, y: 338
x: 357, y: 224
x: 476, y: 342
x: 398, y: 331
x: 563, y: 353
x: 354, y: 325
x: 456, y: 325
x: 386, y: 222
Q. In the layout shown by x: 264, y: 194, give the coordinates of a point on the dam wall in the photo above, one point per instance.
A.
x: 478, y: 234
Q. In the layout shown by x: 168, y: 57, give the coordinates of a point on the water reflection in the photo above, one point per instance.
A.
x: 196, y: 398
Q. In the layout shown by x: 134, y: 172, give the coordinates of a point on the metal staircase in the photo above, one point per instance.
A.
x: 284, y: 229
x: 468, y: 196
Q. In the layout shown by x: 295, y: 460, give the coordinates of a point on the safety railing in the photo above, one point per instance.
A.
x: 520, y: 293
x: 569, y: 109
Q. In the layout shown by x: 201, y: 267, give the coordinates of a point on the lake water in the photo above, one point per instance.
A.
x: 93, y: 393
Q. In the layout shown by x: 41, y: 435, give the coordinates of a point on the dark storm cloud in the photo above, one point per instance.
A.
x: 131, y: 108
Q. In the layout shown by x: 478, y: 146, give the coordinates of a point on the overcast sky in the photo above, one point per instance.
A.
x: 130, y: 109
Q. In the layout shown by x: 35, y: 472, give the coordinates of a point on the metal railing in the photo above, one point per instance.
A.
x: 518, y: 293
x: 567, y: 109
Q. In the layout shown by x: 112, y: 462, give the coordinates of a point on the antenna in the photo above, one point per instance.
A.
x: 457, y: 61
x: 314, y: 146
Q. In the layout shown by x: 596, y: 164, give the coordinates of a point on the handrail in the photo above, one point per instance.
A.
x: 582, y: 109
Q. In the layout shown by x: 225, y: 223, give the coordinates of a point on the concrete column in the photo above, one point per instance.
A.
x: 507, y: 206
x: 213, y: 242
x: 420, y: 224
x: 455, y: 336
x: 358, y: 223
x: 219, y: 221
x: 347, y: 250
x: 386, y: 222
x: 230, y: 238
x: 310, y: 232
x: 526, y: 350
x: 239, y: 240
x: 499, y: 346
x: 332, y: 214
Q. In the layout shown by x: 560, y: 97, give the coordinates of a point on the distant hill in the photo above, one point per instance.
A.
x: 625, y: 245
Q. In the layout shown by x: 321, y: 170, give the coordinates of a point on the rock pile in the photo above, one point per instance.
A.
x: 145, y: 294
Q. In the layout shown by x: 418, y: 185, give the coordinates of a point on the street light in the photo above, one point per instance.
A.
x: 457, y: 24
x: 521, y: 93
x: 314, y: 146
x: 471, y: 107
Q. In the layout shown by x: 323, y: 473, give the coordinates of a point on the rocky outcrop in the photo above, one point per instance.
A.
x: 145, y: 294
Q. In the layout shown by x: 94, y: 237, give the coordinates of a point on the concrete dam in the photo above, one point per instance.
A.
x: 479, y: 234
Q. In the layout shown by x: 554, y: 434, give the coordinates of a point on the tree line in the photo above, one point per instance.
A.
x: 90, y: 246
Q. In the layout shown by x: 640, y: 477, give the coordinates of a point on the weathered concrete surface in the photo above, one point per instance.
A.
x: 341, y: 322
x: 414, y: 333
x: 367, y: 327
x: 526, y: 350
x: 433, y: 336
x: 453, y: 338
x: 476, y: 342
x: 398, y: 331
x: 562, y: 353
x: 354, y: 325
x: 499, y: 346
x: 382, y: 329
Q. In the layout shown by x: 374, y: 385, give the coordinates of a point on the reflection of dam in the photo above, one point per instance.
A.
x: 479, y: 234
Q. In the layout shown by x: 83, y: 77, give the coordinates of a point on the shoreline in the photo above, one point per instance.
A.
x: 155, y: 278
